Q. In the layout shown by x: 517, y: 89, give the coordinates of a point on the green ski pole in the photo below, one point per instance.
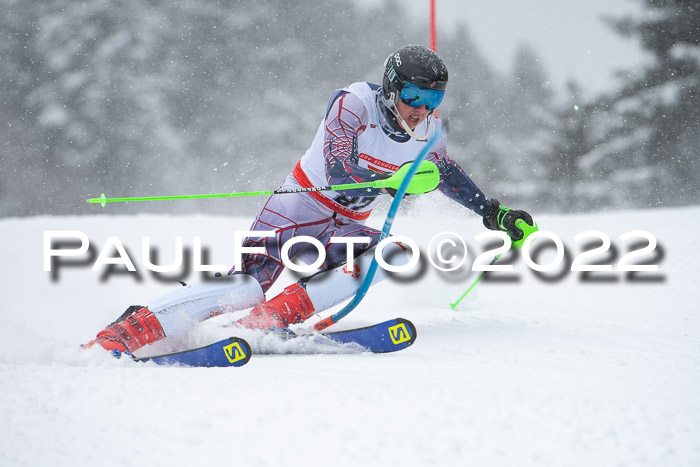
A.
x: 426, y: 178
x: 478, y: 279
x: 527, y: 231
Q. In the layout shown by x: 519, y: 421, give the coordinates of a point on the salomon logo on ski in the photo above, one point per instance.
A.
x: 399, y: 334
x: 234, y: 352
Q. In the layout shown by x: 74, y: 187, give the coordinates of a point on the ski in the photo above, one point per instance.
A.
x: 389, y: 336
x: 232, y: 351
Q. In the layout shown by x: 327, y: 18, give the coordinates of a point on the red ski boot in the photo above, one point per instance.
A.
x: 131, y: 333
x: 292, y: 306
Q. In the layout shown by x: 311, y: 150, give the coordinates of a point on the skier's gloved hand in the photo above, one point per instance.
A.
x: 499, y: 217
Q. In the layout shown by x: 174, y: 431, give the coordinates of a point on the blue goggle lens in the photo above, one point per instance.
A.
x: 416, y: 96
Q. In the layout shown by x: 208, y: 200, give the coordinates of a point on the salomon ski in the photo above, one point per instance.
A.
x: 388, y: 336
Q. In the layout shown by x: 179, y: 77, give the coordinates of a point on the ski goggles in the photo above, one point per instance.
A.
x: 415, y: 96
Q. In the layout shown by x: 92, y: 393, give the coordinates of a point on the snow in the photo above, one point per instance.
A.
x: 526, y: 372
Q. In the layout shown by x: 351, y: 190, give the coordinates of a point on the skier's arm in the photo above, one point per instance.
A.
x: 457, y: 185
x: 345, y: 122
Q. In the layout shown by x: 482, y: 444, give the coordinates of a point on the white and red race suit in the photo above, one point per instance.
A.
x: 353, y: 144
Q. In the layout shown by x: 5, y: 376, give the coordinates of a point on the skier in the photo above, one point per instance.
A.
x: 368, y: 132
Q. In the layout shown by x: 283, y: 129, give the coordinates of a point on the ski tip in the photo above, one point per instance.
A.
x: 237, y: 351
x: 388, y: 336
x: 405, y: 325
x: 402, y: 334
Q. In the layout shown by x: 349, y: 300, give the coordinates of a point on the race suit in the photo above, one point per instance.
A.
x: 352, y: 145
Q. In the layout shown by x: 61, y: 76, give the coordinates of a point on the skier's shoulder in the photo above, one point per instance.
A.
x: 363, y: 90
x: 357, y: 98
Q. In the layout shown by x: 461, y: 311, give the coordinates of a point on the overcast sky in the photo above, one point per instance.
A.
x: 568, y: 35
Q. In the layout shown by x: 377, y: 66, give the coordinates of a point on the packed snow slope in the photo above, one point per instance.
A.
x: 565, y: 370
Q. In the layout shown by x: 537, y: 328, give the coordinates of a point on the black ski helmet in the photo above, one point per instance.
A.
x: 413, y: 64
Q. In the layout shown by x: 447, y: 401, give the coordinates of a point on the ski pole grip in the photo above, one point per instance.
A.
x: 527, y: 230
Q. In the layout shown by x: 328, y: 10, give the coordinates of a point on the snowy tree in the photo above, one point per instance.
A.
x: 20, y: 151
x: 566, y: 142
x: 468, y: 110
x: 131, y: 98
x: 524, y: 114
x: 655, y: 136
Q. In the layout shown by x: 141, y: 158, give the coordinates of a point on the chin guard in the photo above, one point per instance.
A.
x: 390, y: 103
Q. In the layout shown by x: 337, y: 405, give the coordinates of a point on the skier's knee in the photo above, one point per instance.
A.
x: 180, y: 309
